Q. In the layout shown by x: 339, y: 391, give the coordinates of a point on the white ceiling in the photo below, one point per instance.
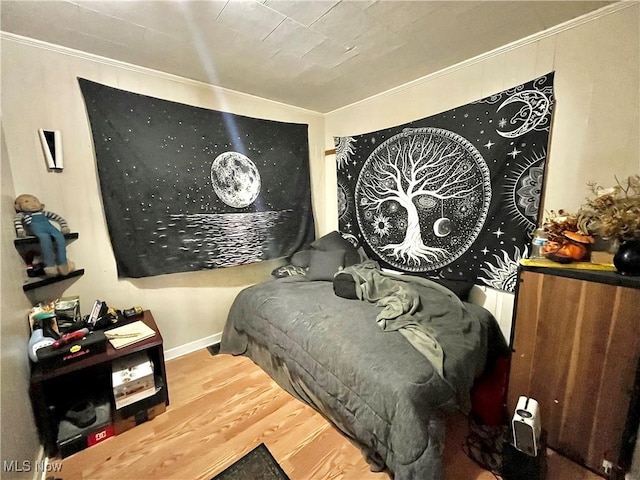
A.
x: 315, y: 54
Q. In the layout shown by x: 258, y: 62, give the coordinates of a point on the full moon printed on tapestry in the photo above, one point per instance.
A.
x: 187, y: 188
x: 455, y: 195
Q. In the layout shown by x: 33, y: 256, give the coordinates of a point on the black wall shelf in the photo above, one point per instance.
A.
x: 37, y: 282
x: 32, y: 240
x: 25, y: 244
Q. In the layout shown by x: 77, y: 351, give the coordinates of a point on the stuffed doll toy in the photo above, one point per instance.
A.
x: 31, y: 218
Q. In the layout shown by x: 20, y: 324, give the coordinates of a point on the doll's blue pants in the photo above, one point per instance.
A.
x: 46, y: 232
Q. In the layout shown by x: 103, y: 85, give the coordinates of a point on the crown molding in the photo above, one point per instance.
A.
x: 589, y: 17
x: 555, y: 30
x: 32, y: 42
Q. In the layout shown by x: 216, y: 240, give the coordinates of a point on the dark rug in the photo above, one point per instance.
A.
x: 258, y: 464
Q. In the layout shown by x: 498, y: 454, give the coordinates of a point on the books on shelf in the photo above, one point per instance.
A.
x: 129, y: 334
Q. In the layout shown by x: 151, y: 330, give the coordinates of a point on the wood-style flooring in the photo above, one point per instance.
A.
x: 223, y: 406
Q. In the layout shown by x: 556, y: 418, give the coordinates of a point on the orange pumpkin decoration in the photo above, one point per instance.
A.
x: 568, y: 250
x: 578, y: 237
x: 575, y: 251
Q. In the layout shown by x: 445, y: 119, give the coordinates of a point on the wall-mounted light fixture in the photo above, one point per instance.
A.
x: 51, y: 141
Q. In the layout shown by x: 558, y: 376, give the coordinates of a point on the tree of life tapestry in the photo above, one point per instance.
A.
x: 186, y: 188
x: 455, y: 195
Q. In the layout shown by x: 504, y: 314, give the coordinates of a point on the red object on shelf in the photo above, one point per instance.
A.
x: 70, y: 337
x: 489, y: 394
x: 100, y: 435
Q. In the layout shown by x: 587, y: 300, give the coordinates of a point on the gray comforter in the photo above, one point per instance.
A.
x: 372, y: 383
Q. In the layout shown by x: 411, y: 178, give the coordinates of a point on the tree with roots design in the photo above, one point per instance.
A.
x: 422, y: 167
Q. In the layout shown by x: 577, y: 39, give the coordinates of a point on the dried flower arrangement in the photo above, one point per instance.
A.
x: 613, y: 213
x: 557, y: 223
x: 567, y: 237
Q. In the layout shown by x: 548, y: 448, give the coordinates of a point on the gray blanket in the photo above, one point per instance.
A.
x: 370, y: 382
x: 421, y: 316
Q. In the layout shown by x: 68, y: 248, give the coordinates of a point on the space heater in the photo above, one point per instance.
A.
x: 525, y: 426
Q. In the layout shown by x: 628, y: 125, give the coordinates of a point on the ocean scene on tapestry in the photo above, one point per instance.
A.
x: 455, y: 195
x: 186, y: 188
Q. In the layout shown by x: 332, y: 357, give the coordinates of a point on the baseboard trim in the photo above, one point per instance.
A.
x: 192, y: 346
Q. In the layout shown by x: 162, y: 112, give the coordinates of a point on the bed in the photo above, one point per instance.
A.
x: 384, y: 368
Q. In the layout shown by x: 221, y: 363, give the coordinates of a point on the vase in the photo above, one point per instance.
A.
x: 627, y: 258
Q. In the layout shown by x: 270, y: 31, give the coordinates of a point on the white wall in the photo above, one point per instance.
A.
x: 20, y: 441
x: 40, y: 90
x: 595, y: 133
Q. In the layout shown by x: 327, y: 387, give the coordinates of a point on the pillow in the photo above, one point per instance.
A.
x: 301, y: 258
x: 288, y: 271
x: 460, y: 287
x: 335, y: 241
x: 324, y: 265
x: 344, y: 286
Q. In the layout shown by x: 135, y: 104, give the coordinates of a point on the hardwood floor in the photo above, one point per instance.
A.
x: 222, y: 407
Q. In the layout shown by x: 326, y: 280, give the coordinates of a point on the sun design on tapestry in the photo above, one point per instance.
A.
x: 344, y: 200
x: 344, y: 150
x: 503, y: 274
x: 524, y: 189
x: 422, y: 197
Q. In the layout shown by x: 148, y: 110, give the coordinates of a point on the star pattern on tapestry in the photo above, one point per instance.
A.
x: 187, y: 188
x: 455, y: 195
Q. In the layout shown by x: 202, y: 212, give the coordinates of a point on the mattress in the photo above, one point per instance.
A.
x: 371, y: 383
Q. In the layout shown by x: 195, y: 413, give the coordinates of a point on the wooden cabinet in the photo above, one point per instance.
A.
x: 52, y: 388
x: 576, y: 341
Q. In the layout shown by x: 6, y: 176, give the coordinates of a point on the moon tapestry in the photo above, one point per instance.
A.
x: 186, y: 188
x: 455, y: 195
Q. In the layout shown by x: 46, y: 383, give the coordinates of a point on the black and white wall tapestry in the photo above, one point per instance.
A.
x: 186, y: 188
x: 455, y: 195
